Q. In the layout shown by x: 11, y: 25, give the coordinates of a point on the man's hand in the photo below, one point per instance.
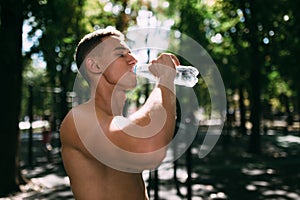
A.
x: 164, y: 67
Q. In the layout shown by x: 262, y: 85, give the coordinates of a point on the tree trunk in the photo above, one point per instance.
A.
x: 255, y: 146
x: 11, y: 80
x: 123, y: 18
x: 255, y: 79
x: 242, y: 112
x: 298, y: 107
x: 65, y: 76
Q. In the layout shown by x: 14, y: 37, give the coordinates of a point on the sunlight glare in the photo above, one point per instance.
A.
x: 286, y: 18
x: 27, y: 43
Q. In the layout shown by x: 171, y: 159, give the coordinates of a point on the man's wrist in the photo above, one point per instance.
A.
x: 166, y: 82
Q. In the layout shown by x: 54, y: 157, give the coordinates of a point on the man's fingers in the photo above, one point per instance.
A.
x: 175, y: 59
x: 171, y: 56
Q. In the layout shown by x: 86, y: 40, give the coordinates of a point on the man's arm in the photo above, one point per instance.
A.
x: 140, y: 141
x: 152, y: 126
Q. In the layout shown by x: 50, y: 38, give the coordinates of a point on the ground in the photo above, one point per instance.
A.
x: 227, y: 172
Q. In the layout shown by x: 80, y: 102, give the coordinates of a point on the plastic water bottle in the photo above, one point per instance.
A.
x: 186, y: 75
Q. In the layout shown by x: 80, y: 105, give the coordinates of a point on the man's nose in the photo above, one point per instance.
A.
x: 132, y: 60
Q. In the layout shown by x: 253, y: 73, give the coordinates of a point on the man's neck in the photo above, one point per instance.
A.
x: 110, y: 100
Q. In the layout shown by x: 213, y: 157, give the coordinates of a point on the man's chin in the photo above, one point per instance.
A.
x: 128, y: 85
x: 131, y: 87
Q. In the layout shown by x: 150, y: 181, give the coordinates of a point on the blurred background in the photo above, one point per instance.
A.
x: 255, y: 45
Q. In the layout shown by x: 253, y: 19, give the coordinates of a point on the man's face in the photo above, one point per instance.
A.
x: 118, y: 63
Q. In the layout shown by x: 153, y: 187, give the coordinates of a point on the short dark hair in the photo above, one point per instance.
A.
x: 88, y: 43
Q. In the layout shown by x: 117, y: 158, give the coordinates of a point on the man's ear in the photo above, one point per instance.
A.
x: 92, y: 66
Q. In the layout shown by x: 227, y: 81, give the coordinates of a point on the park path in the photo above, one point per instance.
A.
x: 228, y: 172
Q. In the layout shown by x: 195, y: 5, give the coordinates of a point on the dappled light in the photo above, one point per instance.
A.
x: 288, y: 141
x: 231, y: 173
x: 226, y: 173
x: 253, y: 56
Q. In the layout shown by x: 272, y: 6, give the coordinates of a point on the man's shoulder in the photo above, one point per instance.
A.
x: 69, y: 118
x: 78, y: 118
x: 68, y: 122
x: 67, y: 126
x: 68, y: 130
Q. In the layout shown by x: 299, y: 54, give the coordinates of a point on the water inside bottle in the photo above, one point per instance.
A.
x: 186, y: 75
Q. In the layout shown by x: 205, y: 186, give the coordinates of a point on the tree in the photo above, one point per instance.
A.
x: 59, y: 37
x: 35, y: 76
x: 259, y: 40
x: 11, y: 65
x: 252, y: 14
x: 286, y: 48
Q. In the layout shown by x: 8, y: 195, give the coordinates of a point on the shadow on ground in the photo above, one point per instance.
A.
x: 228, y: 172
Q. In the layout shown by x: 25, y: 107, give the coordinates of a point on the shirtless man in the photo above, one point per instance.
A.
x: 103, y: 152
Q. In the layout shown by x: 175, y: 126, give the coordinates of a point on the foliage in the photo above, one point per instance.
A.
x: 225, y: 28
x: 252, y: 44
x: 42, y: 101
x: 61, y: 31
x: 245, y: 39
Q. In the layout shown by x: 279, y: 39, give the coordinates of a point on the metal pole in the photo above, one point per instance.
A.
x: 156, y: 183
x: 189, y: 172
x: 30, y: 114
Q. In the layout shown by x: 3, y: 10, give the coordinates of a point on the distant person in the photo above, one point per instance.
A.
x: 104, y: 153
x: 46, y: 139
